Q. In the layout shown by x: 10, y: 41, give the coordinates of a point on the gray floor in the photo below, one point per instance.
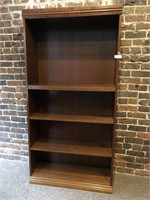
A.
x: 14, y: 186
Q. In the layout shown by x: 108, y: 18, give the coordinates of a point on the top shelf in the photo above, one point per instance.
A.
x: 90, y: 88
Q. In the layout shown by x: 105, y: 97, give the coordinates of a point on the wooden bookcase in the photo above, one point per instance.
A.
x: 71, y: 86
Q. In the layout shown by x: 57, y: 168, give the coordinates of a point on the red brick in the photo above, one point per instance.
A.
x: 5, y: 24
x: 148, y: 16
x: 135, y: 166
x: 135, y: 2
x: 136, y: 147
x: 137, y: 128
x: 119, y: 151
x: 4, y: 10
x: 130, y: 80
x: 19, y: 95
x: 135, y: 153
x: 144, y: 122
x: 145, y: 81
x: 127, y: 121
x: 124, y: 73
x: 119, y: 163
x: 122, y: 100
x: 128, y: 10
x: 5, y: 118
x: 122, y: 86
x: 137, y: 42
x: 128, y: 26
x: 6, y: 50
x: 142, y: 172
x: 125, y: 50
x: 133, y: 140
x: 135, y: 50
x: 132, y: 101
x: 6, y: 16
x: 128, y: 108
x: 145, y: 66
x: 135, y: 18
x: 14, y: 70
x: 21, y: 89
x: 125, y: 42
x: 126, y: 133
x: 140, y: 73
x: 142, y: 160
x: 143, y: 102
x: 137, y: 87
x: 142, y: 26
x: 147, y: 167
x: 125, y: 170
x: 14, y: 83
x: 126, y: 57
x: 142, y: 10
x: 143, y: 135
x: 22, y: 1
x: 21, y: 101
x: 3, y: 95
x: 2, y: 70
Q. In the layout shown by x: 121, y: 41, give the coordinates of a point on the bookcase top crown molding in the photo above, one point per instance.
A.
x: 72, y: 11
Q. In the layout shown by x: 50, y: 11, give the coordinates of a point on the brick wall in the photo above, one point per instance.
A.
x: 132, y: 129
x: 132, y: 138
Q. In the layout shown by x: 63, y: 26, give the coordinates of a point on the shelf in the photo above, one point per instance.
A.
x: 70, y: 176
x: 71, y: 118
x: 90, y: 88
x: 73, y: 147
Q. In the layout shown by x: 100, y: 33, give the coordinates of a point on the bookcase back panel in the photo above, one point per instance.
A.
x: 76, y: 63
x: 78, y: 103
x: 68, y: 130
x: 77, y: 50
x: 72, y: 159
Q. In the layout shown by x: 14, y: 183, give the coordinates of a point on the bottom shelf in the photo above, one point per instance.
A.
x: 77, y: 177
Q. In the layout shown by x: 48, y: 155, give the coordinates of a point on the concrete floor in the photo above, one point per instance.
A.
x: 14, y: 186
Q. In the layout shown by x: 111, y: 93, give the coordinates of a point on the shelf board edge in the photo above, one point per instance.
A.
x: 86, y: 88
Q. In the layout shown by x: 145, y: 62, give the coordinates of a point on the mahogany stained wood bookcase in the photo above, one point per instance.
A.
x: 71, y: 86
